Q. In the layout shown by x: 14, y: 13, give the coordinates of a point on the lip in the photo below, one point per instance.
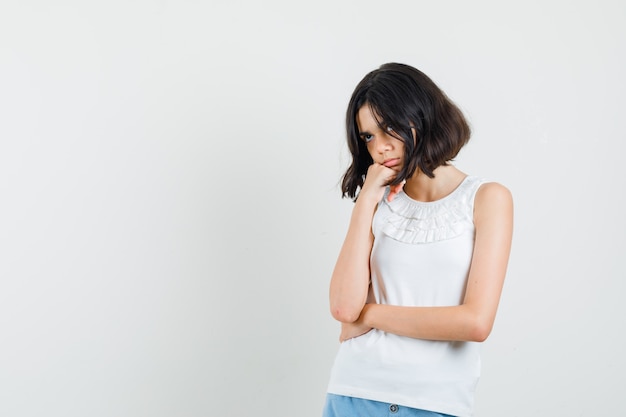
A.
x: 391, y: 162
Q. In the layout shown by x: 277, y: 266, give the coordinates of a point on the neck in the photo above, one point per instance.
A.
x: 422, y: 188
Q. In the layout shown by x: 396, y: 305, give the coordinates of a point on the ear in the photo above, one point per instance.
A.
x: 414, y: 132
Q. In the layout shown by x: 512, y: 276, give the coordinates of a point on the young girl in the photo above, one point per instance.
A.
x: 419, y: 276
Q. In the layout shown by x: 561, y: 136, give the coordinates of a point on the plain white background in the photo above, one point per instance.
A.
x: 170, y: 212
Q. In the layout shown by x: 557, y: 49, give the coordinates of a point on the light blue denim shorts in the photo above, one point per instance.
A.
x: 341, y: 406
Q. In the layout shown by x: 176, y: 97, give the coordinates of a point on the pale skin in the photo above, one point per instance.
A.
x: 473, y: 319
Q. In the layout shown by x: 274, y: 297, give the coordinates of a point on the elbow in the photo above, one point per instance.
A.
x: 345, y: 314
x: 479, y: 335
x: 479, y: 330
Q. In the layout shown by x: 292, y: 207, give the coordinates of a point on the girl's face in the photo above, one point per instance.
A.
x: 383, y: 147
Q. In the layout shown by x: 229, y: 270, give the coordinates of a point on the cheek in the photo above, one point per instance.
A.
x: 400, y: 148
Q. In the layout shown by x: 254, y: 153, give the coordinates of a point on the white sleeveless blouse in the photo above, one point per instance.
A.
x: 421, y: 257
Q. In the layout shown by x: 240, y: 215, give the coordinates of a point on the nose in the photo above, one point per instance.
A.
x: 383, y: 143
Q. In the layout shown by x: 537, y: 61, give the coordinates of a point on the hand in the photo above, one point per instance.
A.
x: 352, y: 330
x: 394, y: 190
x: 358, y: 328
x: 377, y: 177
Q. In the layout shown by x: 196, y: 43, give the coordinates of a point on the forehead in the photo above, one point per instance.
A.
x: 367, y: 119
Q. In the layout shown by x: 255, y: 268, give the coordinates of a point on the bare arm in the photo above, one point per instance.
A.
x: 350, y: 280
x: 474, y: 318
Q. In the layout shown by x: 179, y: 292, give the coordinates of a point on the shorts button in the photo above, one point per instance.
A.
x: 393, y: 408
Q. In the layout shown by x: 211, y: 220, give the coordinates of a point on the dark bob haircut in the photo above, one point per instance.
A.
x: 405, y: 98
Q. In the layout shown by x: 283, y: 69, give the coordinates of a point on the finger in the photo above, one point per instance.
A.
x: 394, y: 190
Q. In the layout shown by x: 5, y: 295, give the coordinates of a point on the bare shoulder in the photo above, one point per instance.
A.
x: 493, y: 190
x: 493, y: 199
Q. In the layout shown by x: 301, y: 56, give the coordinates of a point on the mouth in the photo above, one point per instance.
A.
x: 391, y: 162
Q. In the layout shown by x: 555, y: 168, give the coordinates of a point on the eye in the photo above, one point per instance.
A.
x: 367, y: 138
x: 389, y: 128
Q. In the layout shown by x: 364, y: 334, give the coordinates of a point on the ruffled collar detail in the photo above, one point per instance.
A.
x: 410, y: 221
